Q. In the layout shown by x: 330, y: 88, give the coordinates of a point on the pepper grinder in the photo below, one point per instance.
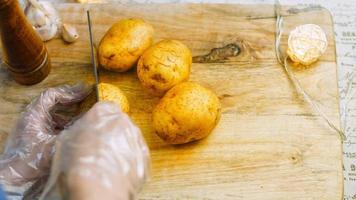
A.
x: 23, y: 51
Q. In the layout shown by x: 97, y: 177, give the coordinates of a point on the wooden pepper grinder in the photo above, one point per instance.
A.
x: 23, y: 51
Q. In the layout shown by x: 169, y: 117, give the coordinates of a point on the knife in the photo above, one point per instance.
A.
x: 93, y: 58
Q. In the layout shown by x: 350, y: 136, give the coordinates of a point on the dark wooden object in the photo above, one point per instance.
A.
x: 24, y: 53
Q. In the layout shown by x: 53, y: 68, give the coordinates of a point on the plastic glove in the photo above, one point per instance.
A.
x: 29, y: 149
x: 101, y: 156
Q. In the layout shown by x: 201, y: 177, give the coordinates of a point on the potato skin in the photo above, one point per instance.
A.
x: 124, y: 43
x: 107, y: 92
x: 164, y: 65
x: 186, y: 113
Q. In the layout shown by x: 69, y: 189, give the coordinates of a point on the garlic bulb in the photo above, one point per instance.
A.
x: 69, y: 33
x: 46, y: 21
x: 44, y: 18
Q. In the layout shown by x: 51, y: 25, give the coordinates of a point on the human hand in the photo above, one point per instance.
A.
x: 101, y: 156
x: 29, y: 149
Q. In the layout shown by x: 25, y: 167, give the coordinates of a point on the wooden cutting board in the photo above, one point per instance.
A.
x: 268, y: 144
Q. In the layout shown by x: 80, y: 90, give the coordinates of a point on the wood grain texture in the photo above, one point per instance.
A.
x: 268, y: 144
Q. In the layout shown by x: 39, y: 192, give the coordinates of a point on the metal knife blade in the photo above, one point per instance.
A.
x: 93, y: 57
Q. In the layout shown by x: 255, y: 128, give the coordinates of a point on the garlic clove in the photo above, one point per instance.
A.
x: 69, y: 33
x: 47, y: 32
x: 40, y: 19
x: 37, y: 17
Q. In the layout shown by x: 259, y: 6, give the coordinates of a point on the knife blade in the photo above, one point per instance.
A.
x: 93, y: 57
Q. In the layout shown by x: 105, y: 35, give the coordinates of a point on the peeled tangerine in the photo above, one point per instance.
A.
x: 187, y: 112
x: 306, y: 43
x: 107, y: 92
x: 164, y: 65
x: 124, y: 43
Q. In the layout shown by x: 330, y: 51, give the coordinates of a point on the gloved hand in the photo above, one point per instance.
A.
x: 101, y: 156
x: 29, y: 149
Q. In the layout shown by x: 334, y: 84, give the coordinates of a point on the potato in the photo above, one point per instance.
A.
x: 107, y: 92
x: 164, y: 65
x: 124, y: 43
x: 186, y: 113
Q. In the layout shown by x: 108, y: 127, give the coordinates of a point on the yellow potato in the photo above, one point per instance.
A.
x: 187, y: 112
x: 164, y: 65
x: 124, y: 43
x: 107, y: 92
